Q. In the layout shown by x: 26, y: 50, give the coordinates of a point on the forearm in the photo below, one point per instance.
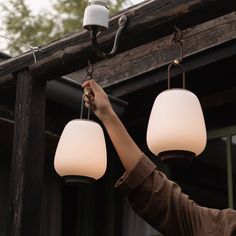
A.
x: 126, y: 148
x: 129, y: 153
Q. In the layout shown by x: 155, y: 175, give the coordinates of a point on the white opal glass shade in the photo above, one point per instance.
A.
x: 81, y: 150
x: 176, y: 123
x: 96, y: 15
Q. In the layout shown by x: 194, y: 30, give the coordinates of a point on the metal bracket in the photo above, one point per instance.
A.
x: 123, y: 20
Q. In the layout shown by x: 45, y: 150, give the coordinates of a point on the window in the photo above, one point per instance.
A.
x: 208, y: 180
x: 233, y: 143
x: 133, y: 225
x: 230, y: 134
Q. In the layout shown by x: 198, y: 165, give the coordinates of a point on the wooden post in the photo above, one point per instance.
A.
x: 26, y: 179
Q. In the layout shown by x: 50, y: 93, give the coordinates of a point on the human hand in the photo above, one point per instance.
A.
x: 97, y: 100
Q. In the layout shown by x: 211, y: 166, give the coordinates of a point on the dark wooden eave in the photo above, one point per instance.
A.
x: 199, y: 42
x: 148, y: 21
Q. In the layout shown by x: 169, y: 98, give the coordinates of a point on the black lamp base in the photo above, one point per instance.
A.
x: 75, y: 179
x: 176, y: 157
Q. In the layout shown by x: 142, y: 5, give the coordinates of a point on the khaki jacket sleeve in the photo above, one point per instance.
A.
x: 161, y: 203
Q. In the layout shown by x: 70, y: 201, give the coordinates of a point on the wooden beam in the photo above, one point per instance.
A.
x: 221, y: 52
x: 28, y: 157
x: 152, y: 18
x: 159, y: 53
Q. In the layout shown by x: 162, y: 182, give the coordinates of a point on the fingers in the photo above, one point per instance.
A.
x: 96, y: 96
x: 86, y: 105
x: 96, y: 89
x: 86, y: 83
x: 92, y: 85
x: 86, y: 99
x: 89, y: 101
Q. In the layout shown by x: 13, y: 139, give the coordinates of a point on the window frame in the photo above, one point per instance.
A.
x: 226, y: 132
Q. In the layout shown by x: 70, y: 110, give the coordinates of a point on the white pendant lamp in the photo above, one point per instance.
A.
x: 81, y: 152
x: 176, y: 128
x: 96, y: 14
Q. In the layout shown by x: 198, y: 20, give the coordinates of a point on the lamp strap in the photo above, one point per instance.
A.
x: 82, y: 107
x: 87, y: 90
x: 176, y: 63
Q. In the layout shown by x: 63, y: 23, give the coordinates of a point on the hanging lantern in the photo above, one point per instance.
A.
x: 176, y: 129
x: 81, y: 151
x: 96, y: 14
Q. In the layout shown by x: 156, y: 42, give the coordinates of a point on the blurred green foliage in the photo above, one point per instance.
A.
x: 65, y: 17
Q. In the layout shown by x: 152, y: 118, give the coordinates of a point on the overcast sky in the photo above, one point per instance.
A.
x: 37, y: 5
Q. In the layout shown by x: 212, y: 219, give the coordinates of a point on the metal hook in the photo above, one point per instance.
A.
x: 123, y: 20
x: 33, y: 49
x: 89, y: 71
x: 177, y: 38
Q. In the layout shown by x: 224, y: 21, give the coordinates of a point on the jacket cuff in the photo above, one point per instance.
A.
x: 129, y: 181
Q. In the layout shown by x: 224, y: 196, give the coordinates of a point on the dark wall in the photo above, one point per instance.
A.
x: 5, y: 157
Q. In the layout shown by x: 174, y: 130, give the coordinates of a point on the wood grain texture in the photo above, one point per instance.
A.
x: 71, y: 52
x: 27, y: 158
x: 159, y: 53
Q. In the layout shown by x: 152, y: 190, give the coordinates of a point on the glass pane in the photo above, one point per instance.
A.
x: 205, y: 179
x: 233, y: 140
x: 134, y: 225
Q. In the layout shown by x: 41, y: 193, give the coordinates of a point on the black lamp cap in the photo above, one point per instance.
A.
x: 75, y: 179
x: 176, y: 157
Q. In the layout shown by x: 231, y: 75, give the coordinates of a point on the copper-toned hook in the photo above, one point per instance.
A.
x: 177, y: 38
x: 90, y: 69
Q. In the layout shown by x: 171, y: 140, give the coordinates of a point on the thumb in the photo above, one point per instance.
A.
x: 85, y: 84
